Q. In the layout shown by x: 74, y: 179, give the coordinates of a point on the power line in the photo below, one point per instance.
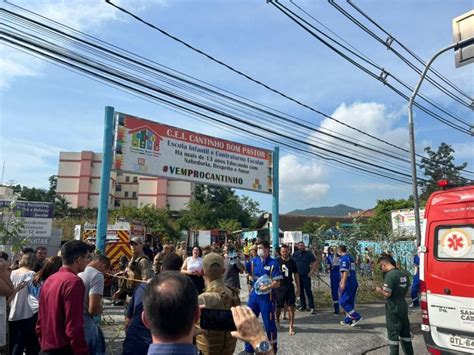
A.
x: 327, y: 116
x: 246, y: 75
x: 172, y: 103
x: 382, y: 77
x: 388, y: 43
x: 414, y: 55
x: 141, y: 63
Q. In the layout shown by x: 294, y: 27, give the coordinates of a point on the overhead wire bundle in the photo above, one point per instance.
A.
x: 132, y: 73
x: 369, y: 66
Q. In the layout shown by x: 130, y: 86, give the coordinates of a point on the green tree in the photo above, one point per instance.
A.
x: 53, y: 184
x: 214, y: 204
x: 440, y: 165
x: 61, y: 207
x: 11, y: 227
x: 157, y: 221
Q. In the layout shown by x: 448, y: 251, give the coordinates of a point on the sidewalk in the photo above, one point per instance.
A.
x: 322, y: 334
x: 315, y: 334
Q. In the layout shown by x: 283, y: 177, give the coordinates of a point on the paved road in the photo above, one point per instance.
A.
x: 315, y: 334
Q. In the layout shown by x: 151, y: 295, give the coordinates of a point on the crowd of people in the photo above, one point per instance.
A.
x: 54, y: 304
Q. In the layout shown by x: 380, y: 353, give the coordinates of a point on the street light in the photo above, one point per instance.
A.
x: 463, y: 30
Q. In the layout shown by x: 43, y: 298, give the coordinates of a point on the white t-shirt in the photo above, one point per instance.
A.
x: 20, y: 307
x: 94, y: 283
x: 194, y: 264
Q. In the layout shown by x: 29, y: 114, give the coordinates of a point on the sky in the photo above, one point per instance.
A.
x: 45, y: 109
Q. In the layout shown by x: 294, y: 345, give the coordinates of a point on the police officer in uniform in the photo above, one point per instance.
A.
x: 394, y: 289
x: 262, y: 296
x: 348, y: 288
x: 333, y: 261
x: 138, y: 269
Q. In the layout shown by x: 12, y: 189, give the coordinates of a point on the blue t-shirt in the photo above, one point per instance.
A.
x: 348, y: 265
x: 256, y: 268
x: 138, y: 337
x: 303, y: 260
x: 173, y: 349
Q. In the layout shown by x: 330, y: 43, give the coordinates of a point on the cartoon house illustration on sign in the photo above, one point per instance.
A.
x: 145, y: 137
x: 399, y: 219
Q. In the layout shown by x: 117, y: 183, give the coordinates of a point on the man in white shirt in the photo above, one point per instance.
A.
x: 93, y: 278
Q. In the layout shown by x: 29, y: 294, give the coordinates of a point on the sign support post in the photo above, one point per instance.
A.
x: 102, y: 215
x: 275, y: 202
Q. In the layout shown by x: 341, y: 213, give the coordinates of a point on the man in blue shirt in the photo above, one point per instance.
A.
x: 137, y: 336
x: 306, y: 264
x: 262, y: 296
x: 348, y: 288
x: 333, y: 262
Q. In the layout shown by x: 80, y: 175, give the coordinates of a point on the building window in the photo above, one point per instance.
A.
x: 118, y: 187
x: 127, y: 178
x: 117, y: 203
x: 135, y: 179
x: 126, y: 193
x: 134, y: 194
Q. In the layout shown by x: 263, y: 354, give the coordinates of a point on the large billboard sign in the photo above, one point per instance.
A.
x: 37, y: 218
x: 144, y: 147
x: 403, y: 221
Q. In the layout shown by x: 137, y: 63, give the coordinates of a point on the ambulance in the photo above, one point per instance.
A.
x: 447, y: 272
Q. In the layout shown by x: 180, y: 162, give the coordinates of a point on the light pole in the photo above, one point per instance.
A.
x: 416, y: 203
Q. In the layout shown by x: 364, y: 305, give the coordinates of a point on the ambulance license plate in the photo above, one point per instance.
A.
x: 461, y: 342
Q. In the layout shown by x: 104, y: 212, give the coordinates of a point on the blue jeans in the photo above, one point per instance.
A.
x: 305, y: 288
x: 94, y: 336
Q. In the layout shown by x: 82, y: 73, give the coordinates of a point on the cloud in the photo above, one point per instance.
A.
x: 369, y: 117
x: 301, y: 183
x: 32, y: 160
x: 82, y: 15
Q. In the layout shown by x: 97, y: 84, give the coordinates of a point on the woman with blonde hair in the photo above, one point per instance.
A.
x: 23, y: 313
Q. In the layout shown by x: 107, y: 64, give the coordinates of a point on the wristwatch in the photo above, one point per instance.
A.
x: 263, y: 347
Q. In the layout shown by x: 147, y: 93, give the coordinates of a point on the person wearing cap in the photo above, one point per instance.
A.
x: 216, y: 296
x: 138, y: 268
x: 266, y: 277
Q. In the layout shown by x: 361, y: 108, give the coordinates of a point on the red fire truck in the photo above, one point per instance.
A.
x: 447, y: 272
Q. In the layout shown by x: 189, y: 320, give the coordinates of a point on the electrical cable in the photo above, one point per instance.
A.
x: 89, y: 72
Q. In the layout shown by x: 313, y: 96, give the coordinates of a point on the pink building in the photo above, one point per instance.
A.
x: 79, y: 182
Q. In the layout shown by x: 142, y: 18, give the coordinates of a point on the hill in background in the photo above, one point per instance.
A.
x: 326, y: 211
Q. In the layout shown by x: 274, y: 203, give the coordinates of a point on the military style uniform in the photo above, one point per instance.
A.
x: 139, y: 269
x: 218, y: 296
x: 396, y: 310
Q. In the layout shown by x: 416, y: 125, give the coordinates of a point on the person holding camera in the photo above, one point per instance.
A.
x: 170, y: 310
x: 232, y: 267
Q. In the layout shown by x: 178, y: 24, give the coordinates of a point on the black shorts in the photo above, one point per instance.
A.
x: 284, y: 295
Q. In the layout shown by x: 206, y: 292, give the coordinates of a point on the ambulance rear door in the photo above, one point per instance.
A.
x: 449, y: 277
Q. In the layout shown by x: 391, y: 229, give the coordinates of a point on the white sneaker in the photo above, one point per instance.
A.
x: 355, y: 322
